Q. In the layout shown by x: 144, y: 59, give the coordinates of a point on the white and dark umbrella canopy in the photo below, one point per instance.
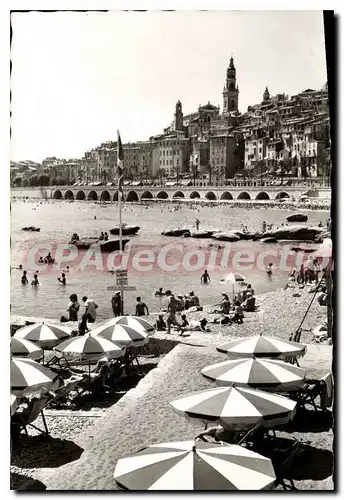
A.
x: 28, y: 376
x: 121, y: 334
x: 89, y: 347
x: 25, y: 348
x: 13, y: 403
x: 190, y: 465
x: 45, y: 335
x: 238, y: 408
x: 261, y: 346
x: 267, y: 374
x: 233, y: 278
x: 135, y: 322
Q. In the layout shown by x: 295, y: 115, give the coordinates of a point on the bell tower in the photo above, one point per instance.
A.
x: 178, y: 117
x: 266, y: 95
x: 231, y: 90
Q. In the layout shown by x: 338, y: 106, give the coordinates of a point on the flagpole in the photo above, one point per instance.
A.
x: 120, y: 192
x: 121, y: 247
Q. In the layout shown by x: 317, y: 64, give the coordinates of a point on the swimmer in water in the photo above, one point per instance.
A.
x: 269, y: 269
x: 24, y: 279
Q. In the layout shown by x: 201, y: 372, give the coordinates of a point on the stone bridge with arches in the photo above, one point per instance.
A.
x: 136, y: 194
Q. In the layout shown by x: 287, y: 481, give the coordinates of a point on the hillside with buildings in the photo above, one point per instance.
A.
x: 280, y: 137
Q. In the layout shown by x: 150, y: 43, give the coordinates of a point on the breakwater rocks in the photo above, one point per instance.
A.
x: 297, y: 218
x: 296, y: 233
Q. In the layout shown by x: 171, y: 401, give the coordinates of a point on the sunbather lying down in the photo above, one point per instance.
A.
x: 194, y: 326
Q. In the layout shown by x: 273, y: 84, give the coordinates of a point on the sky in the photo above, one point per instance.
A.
x: 78, y: 77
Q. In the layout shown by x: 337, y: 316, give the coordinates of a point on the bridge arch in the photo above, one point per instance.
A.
x: 162, y: 195
x: 69, y: 195
x: 80, y: 195
x: 262, y: 196
x: 244, y: 196
x: 178, y: 194
x: 92, y: 195
x: 57, y: 195
x: 105, y: 196
x: 226, y: 196
x: 132, y: 196
x: 282, y: 194
x: 210, y: 195
x: 147, y: 195
x: 194, y: 194
x: 115, y: 196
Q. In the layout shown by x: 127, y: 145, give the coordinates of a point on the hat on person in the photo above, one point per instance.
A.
x: 180, y: 296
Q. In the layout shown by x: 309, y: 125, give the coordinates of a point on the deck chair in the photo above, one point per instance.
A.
x: 25, y: 419
x: 282, y: 462
x: 63, y: 393
x: 314, y: 389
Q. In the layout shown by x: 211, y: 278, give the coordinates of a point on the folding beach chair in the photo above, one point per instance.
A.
x: 62, y: 394
x: 282, y: 462
x: 21, y: 420
x: 314, y: 389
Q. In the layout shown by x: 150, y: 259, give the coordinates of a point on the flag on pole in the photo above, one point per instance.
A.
x: 120, y: 159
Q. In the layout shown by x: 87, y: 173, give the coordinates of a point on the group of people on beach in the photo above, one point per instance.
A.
x: 89, y: 315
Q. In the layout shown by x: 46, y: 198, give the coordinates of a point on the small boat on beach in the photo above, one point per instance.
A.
x: 126, y: 230
x: 105, y: 246
x: 31, y: 228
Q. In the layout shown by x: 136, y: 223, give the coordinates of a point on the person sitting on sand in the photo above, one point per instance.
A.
x: 159, y: 293
x: 101, y: 237
x: 225, y: 305
x: 40, y: 260
x: 160, y: 324
x: 62, y: 280
x: 249, y: 305
x: 35, y: 281
x: 24, y: 280
x: 191, y: 300
x: 198, y: 326
x: 238, y: 313
x: 184, y: 322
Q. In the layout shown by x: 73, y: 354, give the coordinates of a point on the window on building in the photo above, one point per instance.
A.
x: 163, y: 162
x: 177, y: 161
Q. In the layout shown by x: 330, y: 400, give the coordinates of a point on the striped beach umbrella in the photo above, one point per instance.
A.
x: 195, y: 465
x: 88, y: 347
x: 28, y: 376
x: 239, y: 408
x: 45, y: 335
x: 25, y: 349
x: 135, y: 322
x: 261, y: 346
x: 13, y: 403
x: 268, y: 374
x: 121, y: 334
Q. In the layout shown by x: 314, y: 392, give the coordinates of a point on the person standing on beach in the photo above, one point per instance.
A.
x: 24, y: 279
x: 205, y: 278
x: 269, y: 270
x: 197, y: 223
x: 73, y: 308
x: 141, y: 307
x: 171, y: 318
x: 89, y: 315
x: 116, y: 304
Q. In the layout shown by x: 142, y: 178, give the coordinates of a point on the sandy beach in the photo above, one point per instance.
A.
x: 100, y: 433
